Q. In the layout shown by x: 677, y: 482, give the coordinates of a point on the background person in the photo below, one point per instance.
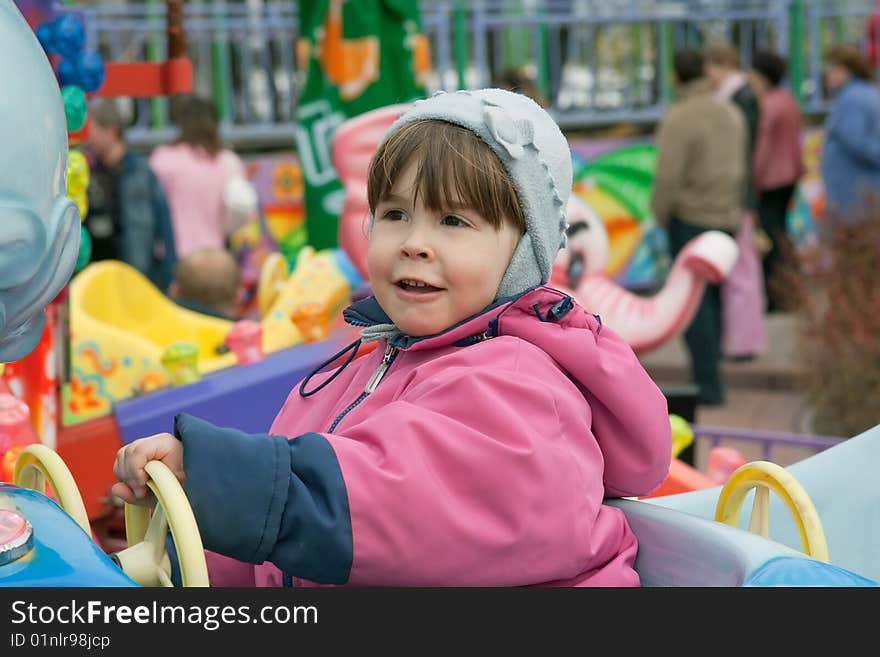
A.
x: 850, y: 159
x: 698, y: 182
x: 778, y: 163
x: 743, y: 331
x: 208, y: 281
x: 195, y: 171
x: 128, y: 217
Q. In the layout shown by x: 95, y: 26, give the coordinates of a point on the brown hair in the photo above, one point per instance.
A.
x: 209, y: 277
x: 722, y: 54
x: 454, y: 166
x: 197, y: 120
x: 850, y: 58
x: 688, y: 65
x: 518, y: 80
x: 106, y: 114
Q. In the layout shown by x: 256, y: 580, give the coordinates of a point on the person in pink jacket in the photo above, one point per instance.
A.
x: 475, y: 446
x: 195, y: 172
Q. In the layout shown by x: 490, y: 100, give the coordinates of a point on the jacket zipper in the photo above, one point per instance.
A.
x: 377, y: 376
x: 380, y: 371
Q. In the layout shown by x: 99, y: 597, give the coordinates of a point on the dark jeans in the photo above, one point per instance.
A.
x: 772, y: 210
x: 703, y: 336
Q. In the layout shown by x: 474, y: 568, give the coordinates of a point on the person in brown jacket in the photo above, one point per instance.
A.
x: 698, y: 186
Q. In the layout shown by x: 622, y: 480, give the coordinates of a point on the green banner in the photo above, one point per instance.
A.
x: 357, y: 56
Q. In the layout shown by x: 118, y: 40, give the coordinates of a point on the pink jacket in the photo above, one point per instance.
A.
x: 483, y: 454
x: 194, y: 183
x: 778, y: 154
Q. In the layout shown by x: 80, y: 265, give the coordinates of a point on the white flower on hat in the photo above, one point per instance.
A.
x: 511, y: 135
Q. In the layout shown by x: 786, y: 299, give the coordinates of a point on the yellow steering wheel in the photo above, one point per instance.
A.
x: 146, y: 559
x: 38, y: 465
x: 764, y: 476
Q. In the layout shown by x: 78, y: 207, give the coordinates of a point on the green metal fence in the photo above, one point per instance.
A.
x: 597, y: 62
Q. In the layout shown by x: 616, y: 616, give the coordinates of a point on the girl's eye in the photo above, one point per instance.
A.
x: 394, y: 215
x: 452, y: 220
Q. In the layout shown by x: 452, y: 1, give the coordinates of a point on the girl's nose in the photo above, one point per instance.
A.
x: 416, y: 246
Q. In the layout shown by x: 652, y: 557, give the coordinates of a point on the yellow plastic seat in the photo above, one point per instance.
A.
x: 120, y: 324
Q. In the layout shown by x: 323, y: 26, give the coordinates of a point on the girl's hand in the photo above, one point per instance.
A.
x: 130, y: 462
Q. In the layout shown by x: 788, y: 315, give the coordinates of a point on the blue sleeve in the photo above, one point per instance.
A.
x: 137, y: 223
x: 164, y: 233
x: 263, y: 498
x: 856, y: 125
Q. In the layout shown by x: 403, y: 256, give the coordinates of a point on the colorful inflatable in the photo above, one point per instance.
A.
x: 121, y: 326
x: 40, y: 223
x: 616, y: 184
x: 645, y: 322
x: 352, y: 148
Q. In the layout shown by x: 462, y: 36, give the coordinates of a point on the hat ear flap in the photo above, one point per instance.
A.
x: 523, y: 272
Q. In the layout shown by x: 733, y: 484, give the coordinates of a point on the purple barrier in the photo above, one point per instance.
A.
x: 767, y: 438
x: 245, y: 397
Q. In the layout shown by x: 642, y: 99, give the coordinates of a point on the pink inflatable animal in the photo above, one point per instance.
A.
x: 352, y: 147
x: 644, y: 322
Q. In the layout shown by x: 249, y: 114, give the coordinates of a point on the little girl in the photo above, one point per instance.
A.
x: 475, y: 446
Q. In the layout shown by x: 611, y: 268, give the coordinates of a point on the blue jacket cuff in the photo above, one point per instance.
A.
x: 237, y: 486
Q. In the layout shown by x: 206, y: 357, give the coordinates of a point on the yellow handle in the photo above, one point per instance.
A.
x: 764, y: 476
x: 37, y: 465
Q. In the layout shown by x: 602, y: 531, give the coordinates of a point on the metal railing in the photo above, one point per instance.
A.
x: 597, y: 62
x: 766, y: 439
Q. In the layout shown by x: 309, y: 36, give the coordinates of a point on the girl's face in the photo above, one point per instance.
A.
x: 431, y: 269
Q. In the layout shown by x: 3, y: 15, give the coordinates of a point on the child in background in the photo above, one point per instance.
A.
x: 208, y: 281
x: 475, y: 446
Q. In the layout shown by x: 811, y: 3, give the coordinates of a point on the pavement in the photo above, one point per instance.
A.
x: 762, y: 394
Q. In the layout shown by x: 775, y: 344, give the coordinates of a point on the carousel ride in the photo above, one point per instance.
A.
x: 46, y: 536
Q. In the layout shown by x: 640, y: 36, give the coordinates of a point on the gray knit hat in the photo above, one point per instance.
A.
x: 535, y: 154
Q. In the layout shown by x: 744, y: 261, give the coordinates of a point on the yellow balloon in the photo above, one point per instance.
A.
x: 77, y: 174
x: 82, y: 202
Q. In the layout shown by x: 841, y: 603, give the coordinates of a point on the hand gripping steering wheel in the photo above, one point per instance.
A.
x: 764, y: 476
x: 146, y: 559
x: 38, y: 465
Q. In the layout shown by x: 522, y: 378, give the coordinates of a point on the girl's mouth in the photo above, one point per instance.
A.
x: 416, y: 286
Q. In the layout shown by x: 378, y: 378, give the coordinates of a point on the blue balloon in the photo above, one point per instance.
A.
x: 90, y: 70
x: 45, y: 36
x: 68, y: 74
x: 68, y: 35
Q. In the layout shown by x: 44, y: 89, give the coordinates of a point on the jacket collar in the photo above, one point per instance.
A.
x: 368, y: 312
x: 697, y: 87
x: 547, y: 304
x: 731, y: 84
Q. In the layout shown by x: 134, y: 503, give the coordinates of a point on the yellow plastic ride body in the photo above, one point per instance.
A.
x: 312, y: 296
x: 120, y: 325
